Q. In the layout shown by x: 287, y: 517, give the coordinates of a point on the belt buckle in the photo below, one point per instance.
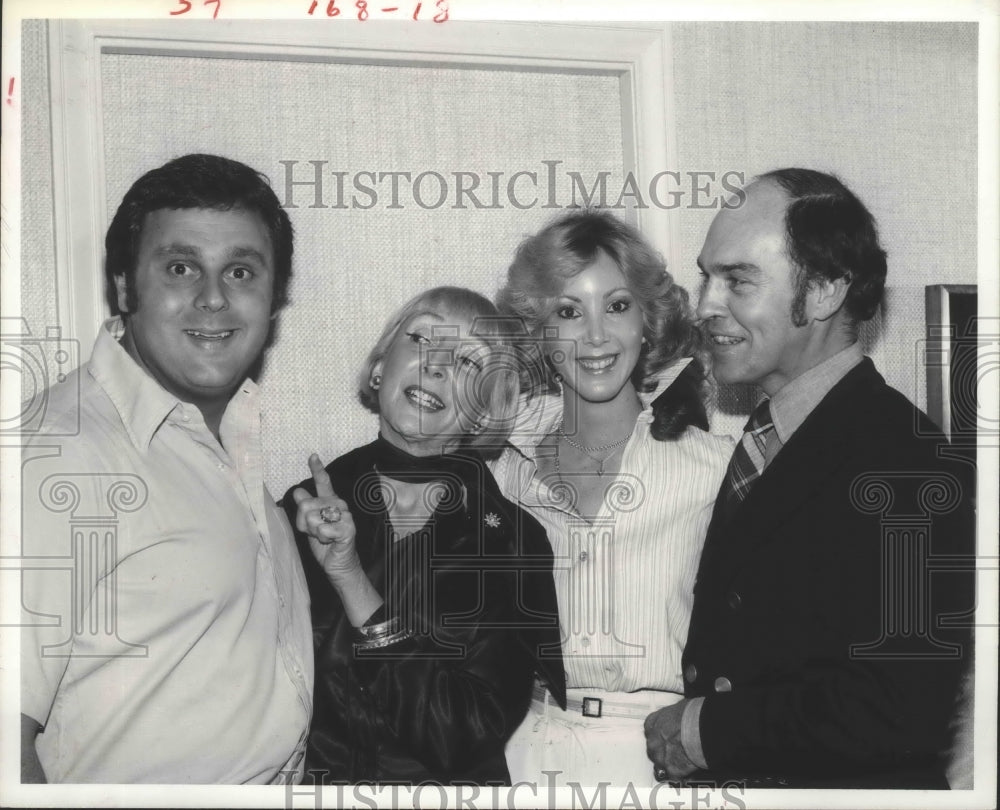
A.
x: 592, y: 707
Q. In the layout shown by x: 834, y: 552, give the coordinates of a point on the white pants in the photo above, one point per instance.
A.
x: 586, y: 750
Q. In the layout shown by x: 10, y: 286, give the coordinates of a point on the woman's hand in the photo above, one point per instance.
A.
x: 330, y: 526
x: 328, y: 522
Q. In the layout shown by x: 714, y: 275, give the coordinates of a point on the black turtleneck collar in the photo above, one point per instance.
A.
x: 394, y: 463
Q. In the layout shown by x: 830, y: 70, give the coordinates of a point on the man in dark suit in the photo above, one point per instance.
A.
x: 822, y: 652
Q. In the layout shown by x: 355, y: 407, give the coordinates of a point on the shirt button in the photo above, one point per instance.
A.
x: 690, y: 673
x: 723, y: 684
x: 583, y: 556
x: 734, y: 599
x: 585, y: 641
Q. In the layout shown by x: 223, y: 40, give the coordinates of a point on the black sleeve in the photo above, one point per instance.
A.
x: 454, y: 690
x: 476, y: 602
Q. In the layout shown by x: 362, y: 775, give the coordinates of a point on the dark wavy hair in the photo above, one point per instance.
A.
x: 195, y: 181
x: 831, y: 235
x: 568, y: 245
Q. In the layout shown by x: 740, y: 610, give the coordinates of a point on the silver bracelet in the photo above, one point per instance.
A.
x: 374, y: 632
x: 383, y: 641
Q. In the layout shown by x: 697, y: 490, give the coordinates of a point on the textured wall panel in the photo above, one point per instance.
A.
x: 39, y: 299
x: 353, y: 266
x: 890, y: 107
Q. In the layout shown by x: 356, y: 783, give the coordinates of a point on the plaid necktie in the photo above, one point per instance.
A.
x: 748, y: 459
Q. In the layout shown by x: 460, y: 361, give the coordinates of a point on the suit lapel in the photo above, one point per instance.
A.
x: 812, y: 455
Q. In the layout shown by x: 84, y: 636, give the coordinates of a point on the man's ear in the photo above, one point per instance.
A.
x: 827, y: 297
x: 121, y: 289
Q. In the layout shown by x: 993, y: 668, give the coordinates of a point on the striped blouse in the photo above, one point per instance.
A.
x: 624, y: 582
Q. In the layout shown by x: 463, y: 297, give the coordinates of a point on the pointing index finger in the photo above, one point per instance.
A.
x: 324, y: 489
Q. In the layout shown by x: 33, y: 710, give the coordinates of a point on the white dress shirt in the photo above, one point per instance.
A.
x: 167, y: 635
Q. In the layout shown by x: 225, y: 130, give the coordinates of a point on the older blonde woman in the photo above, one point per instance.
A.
x: 432, y: 594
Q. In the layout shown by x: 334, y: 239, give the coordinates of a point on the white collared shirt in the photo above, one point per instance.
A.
x: 168, y: 637
x: 624, y: 582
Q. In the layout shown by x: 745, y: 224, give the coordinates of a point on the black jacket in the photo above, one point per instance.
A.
x: 819, y: 635
x: 475, y: 587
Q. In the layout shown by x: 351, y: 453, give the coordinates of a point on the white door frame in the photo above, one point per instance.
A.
x: 638, y: 53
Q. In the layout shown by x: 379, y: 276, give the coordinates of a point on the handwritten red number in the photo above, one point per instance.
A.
x: 442, y: 15
x: 362, y: 7
x: 331, y: 8
x: 186, y: 4
x: 416, y: 11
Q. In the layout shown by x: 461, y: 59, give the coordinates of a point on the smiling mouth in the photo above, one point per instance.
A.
x: 597, y: 364
x: 725, y: 340
x: 210, y: 336
x: 424, y: 400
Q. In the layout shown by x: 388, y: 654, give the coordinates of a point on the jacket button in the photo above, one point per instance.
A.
x: 723, y: 684
x: 690, y: 673
x: 734, y: 600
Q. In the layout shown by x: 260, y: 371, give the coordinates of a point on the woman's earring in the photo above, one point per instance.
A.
x: 557, y: 377
x: 375, y: 382
x: 477, y: 428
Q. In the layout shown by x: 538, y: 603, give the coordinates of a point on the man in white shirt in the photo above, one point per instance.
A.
x: 817, y: 655
x: 181, y: 650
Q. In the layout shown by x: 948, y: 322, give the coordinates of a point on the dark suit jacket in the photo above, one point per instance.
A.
x: 816, y: 634
x: 475, y: 588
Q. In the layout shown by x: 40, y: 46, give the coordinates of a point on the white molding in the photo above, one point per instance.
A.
x: 640, y: 54
x: 655, y: 142
x: 79, y: 214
